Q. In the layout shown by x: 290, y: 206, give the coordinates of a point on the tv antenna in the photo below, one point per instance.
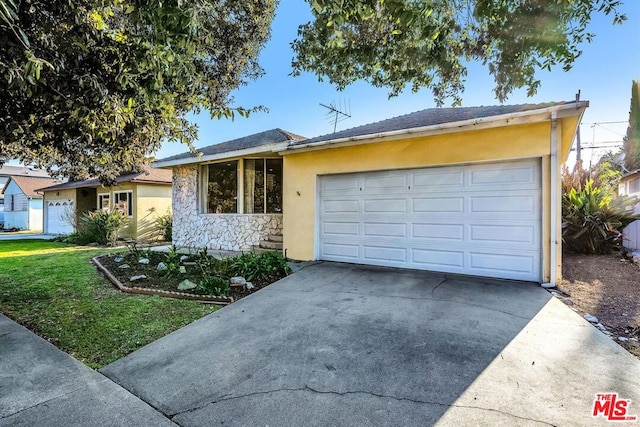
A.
x: 337, y: 113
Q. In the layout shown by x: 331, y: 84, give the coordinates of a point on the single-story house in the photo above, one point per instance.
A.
x: 7, y: 171
x: 630, y: 185
x: 140, y: 196
x: 461, y: 190
x: 23, y: 203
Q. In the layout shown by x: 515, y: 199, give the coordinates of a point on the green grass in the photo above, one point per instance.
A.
x: 54, y: 289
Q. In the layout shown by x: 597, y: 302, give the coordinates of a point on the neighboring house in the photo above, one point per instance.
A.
x: 142, y: 197
x: 461, y: 190
x: 7, y: 171
x: 630, y: 185
x: 23, y: 204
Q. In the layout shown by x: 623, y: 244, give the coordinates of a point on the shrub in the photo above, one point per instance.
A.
x: 214, y: 285
x: 101, y: 226
x: 259, y: 267
x: 593, y: 219
x: 165, y: 226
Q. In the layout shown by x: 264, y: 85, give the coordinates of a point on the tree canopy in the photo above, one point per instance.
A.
x: 428, y: 43
x: 93, y: 87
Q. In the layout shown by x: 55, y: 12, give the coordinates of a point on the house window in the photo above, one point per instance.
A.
x: 123, y: 202
x: 261, y: 189
x: 103, y: 202
x: 222, y: 187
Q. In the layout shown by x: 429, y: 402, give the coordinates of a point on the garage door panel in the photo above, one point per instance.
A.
x: 338, y: 251
x: 480, y: 220
x: 437, y: 181
x: 504, y: 204
x: 385, y: 181
x: 341, y: 228
x: 505, y: 177
x: 384, y: 229
x: 503, y: 234
x: 438, y: 204
x: 385, y: 205
x: 382, y: 253
x: 339, y: 183
x: 341, y: 206
x: 437, y: 259
x: 502, y: 264
x: 437, y: 232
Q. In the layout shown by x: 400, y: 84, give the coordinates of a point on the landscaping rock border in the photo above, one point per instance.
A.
x: 159, y: 292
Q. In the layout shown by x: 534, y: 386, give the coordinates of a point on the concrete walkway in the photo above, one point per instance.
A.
x: 25, y: 236
x: 43, y: 386
x: 336, y: 345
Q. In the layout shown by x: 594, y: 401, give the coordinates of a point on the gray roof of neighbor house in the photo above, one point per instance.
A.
x: 11, y: 170
x: 148, y: 175
x: 429, y: 117
x: 29, y: 185
x: 268, y: 137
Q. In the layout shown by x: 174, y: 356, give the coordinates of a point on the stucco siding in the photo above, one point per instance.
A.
x: 215, y: 231
x: 152, y: 202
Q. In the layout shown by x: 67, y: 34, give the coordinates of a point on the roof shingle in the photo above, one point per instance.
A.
x: 148, y: 175
x: 272, y: 136
x: 30, y: 185
x: 428, y: 117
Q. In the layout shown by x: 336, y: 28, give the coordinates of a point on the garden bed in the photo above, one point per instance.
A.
x: 163, y: 272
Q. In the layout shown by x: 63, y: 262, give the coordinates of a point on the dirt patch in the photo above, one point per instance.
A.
x: 607, y: 287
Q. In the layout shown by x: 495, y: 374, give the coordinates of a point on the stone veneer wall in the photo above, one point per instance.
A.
x: 231, y: 232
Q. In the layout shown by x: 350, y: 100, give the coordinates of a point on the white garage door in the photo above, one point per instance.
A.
x: 58, y: 214
x: 482, y: 220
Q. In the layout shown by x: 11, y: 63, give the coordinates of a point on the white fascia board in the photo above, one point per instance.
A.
x: 511, y: 119
x: 266, y: 148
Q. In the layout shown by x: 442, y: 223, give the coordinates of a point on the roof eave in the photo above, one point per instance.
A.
x: 511, y: 119
x: 273, y: 147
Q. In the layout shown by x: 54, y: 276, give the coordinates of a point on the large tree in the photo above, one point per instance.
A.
x: 631, y: 145
x: 428, y: 43
x: 92, y: 87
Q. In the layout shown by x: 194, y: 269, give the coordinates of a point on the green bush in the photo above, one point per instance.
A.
x: 593, y: 219
x: 214, y: 285
x: 165, y: 226
x: 259, y: 267
x: 100, y: 226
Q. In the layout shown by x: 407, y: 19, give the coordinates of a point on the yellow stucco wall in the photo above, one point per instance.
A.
x: 505, y: 143
x: 152, y: 201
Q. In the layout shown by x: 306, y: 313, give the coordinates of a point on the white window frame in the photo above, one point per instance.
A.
x: 129, y: 193
x: 101, y: 196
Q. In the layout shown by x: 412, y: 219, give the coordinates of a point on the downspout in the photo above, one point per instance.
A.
x: 553, y: 190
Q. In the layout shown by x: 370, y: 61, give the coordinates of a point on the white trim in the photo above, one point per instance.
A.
x: 523, y: 117
x: 553, y: 242
x: 130, y: 202
x: 266, y: 148
x: 98, y: 204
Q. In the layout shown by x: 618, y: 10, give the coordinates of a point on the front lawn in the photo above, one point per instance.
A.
x: 54, y: 290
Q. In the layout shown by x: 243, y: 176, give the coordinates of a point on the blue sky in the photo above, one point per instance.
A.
x: 603, y: 74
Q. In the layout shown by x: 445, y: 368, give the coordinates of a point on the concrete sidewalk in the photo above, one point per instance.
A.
x: 25, y: 236
x: 43, y: 386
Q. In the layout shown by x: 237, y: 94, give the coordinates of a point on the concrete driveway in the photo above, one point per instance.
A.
x: 338, y: 344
